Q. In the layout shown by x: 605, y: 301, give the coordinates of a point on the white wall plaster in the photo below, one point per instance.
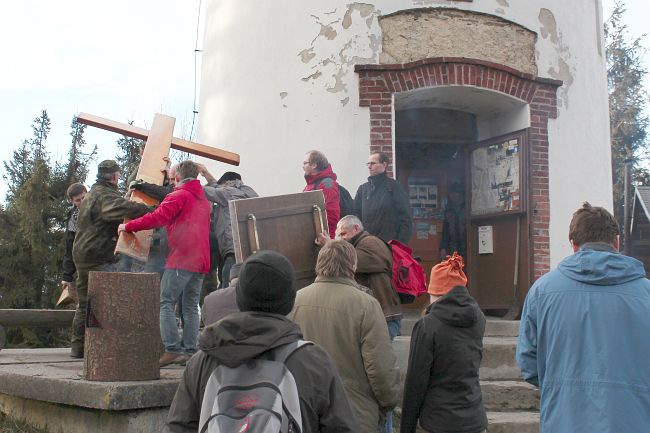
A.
x: 255, y: 51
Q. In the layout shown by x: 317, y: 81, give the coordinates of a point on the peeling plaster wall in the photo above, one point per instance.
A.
x: 440, y: 32
x: 278, y: 79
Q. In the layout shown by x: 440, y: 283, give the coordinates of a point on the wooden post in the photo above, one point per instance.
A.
x: 122, y: 327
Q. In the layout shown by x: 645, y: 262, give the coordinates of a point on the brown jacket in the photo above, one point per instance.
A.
x: 349, y: 325
x: 374, y: 263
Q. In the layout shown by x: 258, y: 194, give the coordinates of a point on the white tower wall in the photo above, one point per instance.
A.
x: 278, y: 80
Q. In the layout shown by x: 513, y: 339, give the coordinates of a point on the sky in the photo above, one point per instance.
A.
x: 122, y: 60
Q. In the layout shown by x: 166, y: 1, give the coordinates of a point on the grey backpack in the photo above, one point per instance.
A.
x: 255, y: 397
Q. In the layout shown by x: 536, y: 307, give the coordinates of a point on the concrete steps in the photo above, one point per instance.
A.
x: 512, y: 404
x: 513, y: 422
x: 509, y: 395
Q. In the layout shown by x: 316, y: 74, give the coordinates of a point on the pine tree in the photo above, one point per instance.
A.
x: 40, y: 129
x: 75, y: 168
x: 128, y: 158
x: 17, y: 170
x: 31, y: 228
x: 627, y: 104
x: 78, y: 160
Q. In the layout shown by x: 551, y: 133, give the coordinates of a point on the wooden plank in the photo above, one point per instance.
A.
x: 155, y: 149
x: 137, y: 244
x: 36, y: 318
x: 113, y: 126
x: 205, y: 151
x: 176, y: 143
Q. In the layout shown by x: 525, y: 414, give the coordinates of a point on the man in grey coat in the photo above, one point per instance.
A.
x: 221, y: 192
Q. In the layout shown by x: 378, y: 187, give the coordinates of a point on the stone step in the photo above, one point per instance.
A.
x: 513, y: 422
x: 510, y: 395
x: 494, y: 327
x: 498, y: 422
x: 498, y: 357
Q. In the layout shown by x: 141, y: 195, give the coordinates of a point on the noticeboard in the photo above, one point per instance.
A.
x: 495, y: 178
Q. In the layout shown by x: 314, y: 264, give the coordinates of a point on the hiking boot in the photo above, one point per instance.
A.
x: 182, y: 359
x: 170, y: 358
x: 76, y: 353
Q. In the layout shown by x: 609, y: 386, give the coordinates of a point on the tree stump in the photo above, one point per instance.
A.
x: 122, y: 327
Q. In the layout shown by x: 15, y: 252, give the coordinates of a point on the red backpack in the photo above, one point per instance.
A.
x: 408, y: 276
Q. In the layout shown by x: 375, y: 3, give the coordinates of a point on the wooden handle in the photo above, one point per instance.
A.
x: 318, y: 219
x: 253, y: 238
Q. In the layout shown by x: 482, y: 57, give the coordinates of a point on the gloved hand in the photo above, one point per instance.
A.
x: 136, y: 184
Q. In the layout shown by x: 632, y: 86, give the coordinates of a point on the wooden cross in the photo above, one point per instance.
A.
x: 158, y: 142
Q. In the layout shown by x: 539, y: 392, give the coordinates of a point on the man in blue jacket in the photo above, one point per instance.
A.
x: 583, y: 338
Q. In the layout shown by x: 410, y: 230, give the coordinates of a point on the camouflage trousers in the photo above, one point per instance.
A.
x: 79, y: 321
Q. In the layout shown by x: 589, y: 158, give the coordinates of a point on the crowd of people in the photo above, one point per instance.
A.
x: 326, y: 348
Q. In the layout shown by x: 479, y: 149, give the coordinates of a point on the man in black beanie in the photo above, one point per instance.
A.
x: 229, y: 187
x: 265, y: 290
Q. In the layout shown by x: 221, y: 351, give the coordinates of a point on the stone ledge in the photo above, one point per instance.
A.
x: 49, y: 375
x: 57, y: 418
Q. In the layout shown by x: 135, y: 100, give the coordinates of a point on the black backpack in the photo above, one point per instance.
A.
x: 346, y: 202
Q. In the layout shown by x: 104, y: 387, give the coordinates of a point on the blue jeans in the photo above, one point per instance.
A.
x: 224, y: 275
x: 186, y: 285
x: 394, y: 326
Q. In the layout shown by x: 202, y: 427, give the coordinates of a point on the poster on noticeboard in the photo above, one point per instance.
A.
x: 423, y: 197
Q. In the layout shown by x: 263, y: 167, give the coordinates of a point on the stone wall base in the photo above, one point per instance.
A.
x: 59, y: 418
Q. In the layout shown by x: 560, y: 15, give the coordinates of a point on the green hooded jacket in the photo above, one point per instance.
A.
x: 101, y: 211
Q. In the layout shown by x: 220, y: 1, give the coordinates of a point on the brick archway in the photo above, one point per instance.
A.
x: 378, y: 83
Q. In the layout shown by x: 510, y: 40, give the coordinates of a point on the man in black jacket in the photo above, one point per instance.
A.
x: 265, y: 294
x: 381, y: 203
x: 442, y: 385
x: 76, y: 193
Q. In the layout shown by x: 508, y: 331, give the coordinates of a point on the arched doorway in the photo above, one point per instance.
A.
x: 448, y: 121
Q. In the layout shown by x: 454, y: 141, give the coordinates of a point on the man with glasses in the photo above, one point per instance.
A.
x: 320, y: 176
x: 382, y: 204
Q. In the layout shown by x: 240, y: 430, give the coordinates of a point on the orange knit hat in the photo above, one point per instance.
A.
x: 446, y: 275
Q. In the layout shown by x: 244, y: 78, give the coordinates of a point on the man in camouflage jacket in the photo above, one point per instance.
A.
x: 102, y: 210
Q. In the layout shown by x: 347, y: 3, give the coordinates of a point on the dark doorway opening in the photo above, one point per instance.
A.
x: 439, y: 134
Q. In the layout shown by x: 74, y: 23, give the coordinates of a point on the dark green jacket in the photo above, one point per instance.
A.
x: 102, y: 210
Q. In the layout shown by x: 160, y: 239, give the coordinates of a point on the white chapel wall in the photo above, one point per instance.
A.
x: 278, y: 79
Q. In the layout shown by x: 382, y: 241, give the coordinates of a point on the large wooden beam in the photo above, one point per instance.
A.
x: 137, y: 244
x: 176, y: 143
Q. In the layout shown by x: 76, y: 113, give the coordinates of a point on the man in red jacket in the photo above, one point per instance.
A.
x: 185, y: 213
x: 319, y: 175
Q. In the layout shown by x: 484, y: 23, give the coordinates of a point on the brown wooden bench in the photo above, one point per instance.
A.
x: 33, y: 319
